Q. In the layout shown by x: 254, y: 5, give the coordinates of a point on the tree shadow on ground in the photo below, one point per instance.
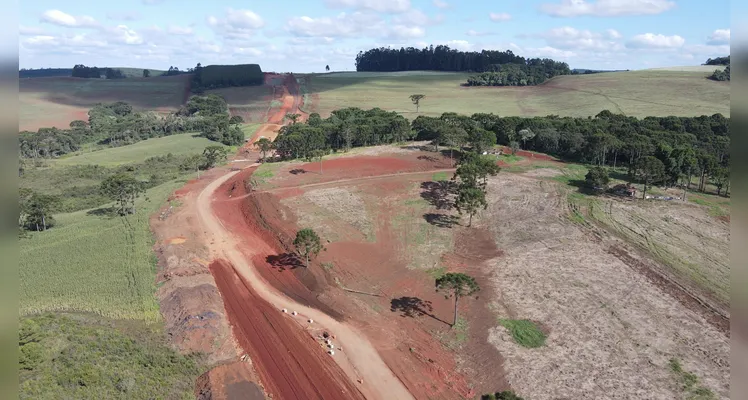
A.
x: 284, y: 261
x: 428, y: 158
x: 438, y: 193
x: 441, y: 220
x: 413, y: 307
x: 297, y: 171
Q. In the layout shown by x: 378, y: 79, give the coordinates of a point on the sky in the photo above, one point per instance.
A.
x: 304, y: 36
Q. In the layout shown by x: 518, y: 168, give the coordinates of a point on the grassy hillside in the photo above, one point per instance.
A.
x: 94, y: 263
x: 635, y: 93
x: 185, y: 143
x: 56, y: 101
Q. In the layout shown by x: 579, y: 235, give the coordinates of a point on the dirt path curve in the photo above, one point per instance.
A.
x: 379, y: 382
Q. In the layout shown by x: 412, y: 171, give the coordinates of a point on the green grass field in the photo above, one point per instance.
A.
x: 55, y: 101
x: 94, y: 263
x: 181, y: 144
x: 636, y: 93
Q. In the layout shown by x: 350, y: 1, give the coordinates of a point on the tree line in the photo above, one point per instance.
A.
x: 687, y: 147
x: 342, y: 130
x: 218, y: 76
x: 718, y: 61
x: 534, y: 72
x: 117, y: 124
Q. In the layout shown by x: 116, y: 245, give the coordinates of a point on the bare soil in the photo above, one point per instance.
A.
x: 612, y: 329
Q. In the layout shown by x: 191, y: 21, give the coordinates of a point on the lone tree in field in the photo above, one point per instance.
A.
x: 597, y: 179
x: 146, y: 73
x: 308, y: 244
x: 36, y: 210
x: 327, y: 68
x: 293, y: 117
x: 469, y: 200
x: 457, y: 285
x: 124, y: 189
x: 265, y: 145
x: 416, y: 99
x: 649, y: 169
x: 214, y: 155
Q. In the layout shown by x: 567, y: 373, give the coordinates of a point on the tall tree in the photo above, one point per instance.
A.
x: 327, y: 68
x: 416, y: 99
x: 457, y: 285
x: 597, y: 179
x: 469, y: 200
x: 265, y: 145
x: 214, y: 155
x: 293, y: 117
x: 146, y: 73
x: 308, y: 244
x: 124, y: 189
x: 36, y: 210
x: 236, y: 120
x: 650, y: 170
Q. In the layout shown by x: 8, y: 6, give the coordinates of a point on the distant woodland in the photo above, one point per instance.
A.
x: 493, y: 68
x: 718, y: 61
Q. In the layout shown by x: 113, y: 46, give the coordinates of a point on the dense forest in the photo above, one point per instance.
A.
x: 685, y: 146
x: 534, y: 72
x: 439, y: 58
x: 218, y: 76
x: 116, y: 124
x: 718, y: 61
x: 495, y: 68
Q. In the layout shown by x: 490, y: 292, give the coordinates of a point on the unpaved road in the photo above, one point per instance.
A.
x: 359, y: 359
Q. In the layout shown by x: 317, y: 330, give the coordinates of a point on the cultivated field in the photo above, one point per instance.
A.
x: 252, y: 103
x: 95, y: 263
x: 48, y: 102
x: 636, y: 93
x: 613, y: 333
x: 181, y: 144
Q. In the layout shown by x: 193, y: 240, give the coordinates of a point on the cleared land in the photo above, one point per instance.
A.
x: 564, y: 302
x: 636, y: 93
x: 56, y: 101
x: 250, y: 102
x: 181, y: 144
x: 612, y: 331
x: 94, y: 263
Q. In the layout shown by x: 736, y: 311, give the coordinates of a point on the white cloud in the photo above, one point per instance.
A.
x: 60, y: 18
x: 655, y: 41
x: 123, y: 34
x: 236, y: 24
x: 719, y: 37
x: 30, y: 30
x: 613, y: 34
x: 440, y: 4
x: 569, y: 38
x: 416, y: 17
x: 606, y: 8
x: 499, y: 17
x: 343, y: 25
x: 383, y: 6
x: 461, y: 45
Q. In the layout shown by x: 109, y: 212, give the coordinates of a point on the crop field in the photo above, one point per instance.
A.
x: 250, y: 102
x: 48, y: 102
x: 94, y: 263
x: 636, y: 93
x: 181, y: 144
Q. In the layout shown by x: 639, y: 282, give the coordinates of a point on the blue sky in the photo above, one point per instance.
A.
x: 304, y: 36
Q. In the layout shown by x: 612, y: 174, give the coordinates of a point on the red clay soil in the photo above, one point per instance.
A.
x: 291, y: 364
x: 232, y: 381
x: 402, y: 337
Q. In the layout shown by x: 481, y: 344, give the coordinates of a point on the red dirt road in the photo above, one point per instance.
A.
x: 291, y: 364
x: 358, y: 357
